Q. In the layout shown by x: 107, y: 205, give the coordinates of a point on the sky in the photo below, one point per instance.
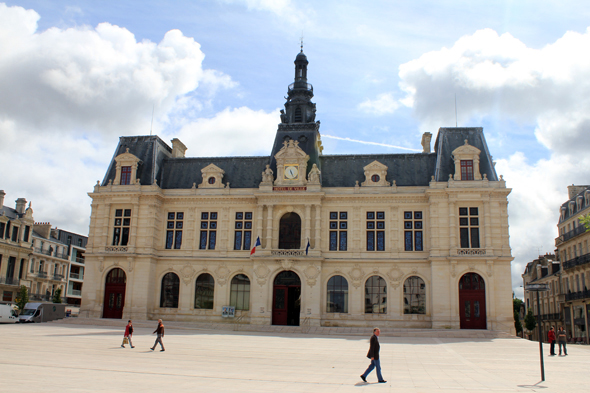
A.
x: 77, y: 75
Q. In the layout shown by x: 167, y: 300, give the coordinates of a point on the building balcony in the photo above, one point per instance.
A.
x: 79, y: 260
x: 74, y: 292
x: 585, y: 294
x: 570, y: 235
x: 41, y: 274
x: 115, y: 249
x: 39, y: 296
x: 77, y: 276
x: 10, y: 281
x: 58, y: 277
x: 577, y: 261
x: 42, y: 251
x: 551, y: 317
x: 62, y: 255
x: 301, y: 86
x: 471, y: 251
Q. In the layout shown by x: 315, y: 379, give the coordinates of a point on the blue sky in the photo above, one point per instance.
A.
x: 76, y: 75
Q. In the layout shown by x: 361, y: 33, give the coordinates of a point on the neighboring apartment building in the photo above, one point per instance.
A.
x: 544, y: 270
x: 16, y: 235
x: 572, y: 248
x: 76, y: 254
x: 399, y: 240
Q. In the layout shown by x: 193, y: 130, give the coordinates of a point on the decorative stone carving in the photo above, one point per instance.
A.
x: 453, y: 269
x: 314, y: 175
x: 131, y: 263
x: 291, y: 165
x: 212, y: 177
x: 311, y: 273
x: 187, y: 273
x: 375, y: 175
x: 267, y: 176
x: 287, y: 264
x: 466, y: 152
x: 262, y: 271
x: 222, y: 272
x: 356, y: 274
x: 100, y: 264
x: 490, y: 268
x: 126, y: 160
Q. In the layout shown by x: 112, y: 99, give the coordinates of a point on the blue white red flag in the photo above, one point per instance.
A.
x: 256, y: 245
x: 307, y: 248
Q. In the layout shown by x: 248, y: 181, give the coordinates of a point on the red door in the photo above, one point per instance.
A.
x: 279, y: 305
x: 114, y: 294
x: 472, y: 302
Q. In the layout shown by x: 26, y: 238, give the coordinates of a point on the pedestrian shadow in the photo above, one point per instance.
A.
x: 361, y: 383
x: 535, y: 386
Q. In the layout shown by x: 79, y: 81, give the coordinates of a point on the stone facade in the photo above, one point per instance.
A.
x: 357, y: 240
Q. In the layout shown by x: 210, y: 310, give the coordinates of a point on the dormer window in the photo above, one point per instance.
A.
x: 571, y: 207
x: 125, y: 175
x: 375, y: 175
x: 466, y: 169
x: 211, y: 180
x: 212, y: 177
x: 579, y: 200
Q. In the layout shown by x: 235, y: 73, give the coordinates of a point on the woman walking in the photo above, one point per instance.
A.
x: 128, y: 334
x: 160, y: 331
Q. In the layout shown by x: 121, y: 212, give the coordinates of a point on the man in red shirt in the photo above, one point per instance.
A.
x: 551, y: 339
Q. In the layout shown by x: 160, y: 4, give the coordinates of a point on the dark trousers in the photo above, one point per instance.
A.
x: 158, y: 340
x: 562, y: 343
x: 552, y: 347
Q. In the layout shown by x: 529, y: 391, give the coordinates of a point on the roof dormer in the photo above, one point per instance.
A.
x: 126, y: 169
x: 466, y: 159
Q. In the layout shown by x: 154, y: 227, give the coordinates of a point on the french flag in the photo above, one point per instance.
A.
x: 255, y: 245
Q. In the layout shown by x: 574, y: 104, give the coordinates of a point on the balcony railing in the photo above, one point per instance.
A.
x: 10, y: 281
x: 41, y: 274
x: 585, y: 294
x: 43, y: 251
x: 74, y: 292
x: 570, y: 235
x: 301, y: 85
x: 62, y: 255
x: 39, y: 296
x: 551, y: 317
x: 471, y: 251
x: 115, y: 248
x: 77, y: 276
x: 80, y: 260
x: 58, y: 277
x: 577, y: 261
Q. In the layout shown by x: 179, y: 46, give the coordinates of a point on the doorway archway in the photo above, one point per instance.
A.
x: 290, y: 232
x: 114, y: 294
x: 286, y: 303
x: 472, y: 301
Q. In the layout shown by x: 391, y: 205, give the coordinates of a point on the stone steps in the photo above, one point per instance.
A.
x: 310, y: 330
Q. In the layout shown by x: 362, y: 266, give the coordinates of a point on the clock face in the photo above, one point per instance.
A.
x: 291, y: 172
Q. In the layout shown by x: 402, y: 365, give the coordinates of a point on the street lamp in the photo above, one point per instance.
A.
x: 539, y: 288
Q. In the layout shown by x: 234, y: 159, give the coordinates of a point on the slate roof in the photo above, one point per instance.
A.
x: 413, y: 169
x: 573, y: 199
x: 10, y: 212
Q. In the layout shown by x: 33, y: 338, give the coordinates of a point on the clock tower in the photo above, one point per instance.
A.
x: 298, y: 124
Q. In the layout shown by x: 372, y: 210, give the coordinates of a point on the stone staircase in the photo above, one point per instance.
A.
x: 273, y: 329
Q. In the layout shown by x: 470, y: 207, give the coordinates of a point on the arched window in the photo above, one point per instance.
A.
x: 204, y: 291
x: 290, y: 232
x: 240, y: 292
x: 337, y: 295
x: 116, y: 276
x: 414, y: 296
x: 169, y: 293
x: 375, y: 295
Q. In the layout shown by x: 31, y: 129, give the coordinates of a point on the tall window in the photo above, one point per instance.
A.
x: 2, y: 230
x: 469, y: 227
x: 169, y: 293
x: 27, y: 233
x: 121, y: 227
x: 414, y: 296
x: 14, y: 234
x: 375, y: 231
x: 413, y: 239
x: 243, y: 233
x: 208, y: 231
x: 125, y: 175
x: 337, y: 295
x: 174, y: 230
x: 466, y: 169
x: 240, y: 292
x: 375, y: 295
x: 338, y: 231
x: 204, y: 291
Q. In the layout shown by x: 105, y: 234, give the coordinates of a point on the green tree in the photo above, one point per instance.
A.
x: 22, y: 298
x: 516, y: 303
x: 530, y: 322
x: 57, y: 296
x: 585, y: 220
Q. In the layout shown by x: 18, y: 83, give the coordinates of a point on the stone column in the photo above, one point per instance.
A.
x: 318, y: 224
x: 268, y: 245
x: 488, y: 227
x: 259, y: 213
x: 307, y: 230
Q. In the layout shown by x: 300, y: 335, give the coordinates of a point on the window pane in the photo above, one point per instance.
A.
x: 380, y: 241
x: 408, y: 240
x: 343, y: 240
x: 178, y: 240
x: 212, y: 239
x: 418, y: 239
x: 370, y: 241
x: 333, y: 240
x: 247, y: 239
x: 414, y: 296
x: 203, y: 242
x: 474, y: 237
x: 464, y: 237
x: 169, y: 238
x: 238, y: 240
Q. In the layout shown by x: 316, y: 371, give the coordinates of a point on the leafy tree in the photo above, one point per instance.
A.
x: 22, y: 298
x: 530, y: 322
x: 516, y: 303
x: 585, y: 220
x: 57, y: 296
x: 517, y: 324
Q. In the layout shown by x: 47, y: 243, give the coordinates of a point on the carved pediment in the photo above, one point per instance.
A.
x: 126, y: 160
x: 212, y: 177
x: 291, y: 165
x: 470, y: 154
x: 375, y: 175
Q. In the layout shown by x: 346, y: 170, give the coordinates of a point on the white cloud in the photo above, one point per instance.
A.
x: 548, y: 88
x: 384, y: 103
x: 284, y: 9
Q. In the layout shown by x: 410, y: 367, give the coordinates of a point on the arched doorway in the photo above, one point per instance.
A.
x: 286, y: 303
x: 290, y: 232
x: 472, y: 301
x: 114, y: 294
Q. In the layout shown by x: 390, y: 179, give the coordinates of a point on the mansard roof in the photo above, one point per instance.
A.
x: 576, y: 211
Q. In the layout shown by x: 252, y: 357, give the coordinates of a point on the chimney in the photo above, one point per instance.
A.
x: 178, y: 148
x: 2, y: 194
x: 573, y: 190
x: 43, y: 229
x: 21, y: 204
x: 54, y: 233
x: 426, y: 138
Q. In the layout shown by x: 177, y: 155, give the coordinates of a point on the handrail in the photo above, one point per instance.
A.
x: 238, y: 321
x: 306, y: 325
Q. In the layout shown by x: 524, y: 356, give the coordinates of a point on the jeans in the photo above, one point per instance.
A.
x: 562, y: 343
x: 552, y: 347
x: 158, y: 340
x: 375, y: 363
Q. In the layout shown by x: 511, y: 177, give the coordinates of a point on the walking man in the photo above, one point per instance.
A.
x: 551, y: 339
x: 128, y: 334
x: 374, y: 356
x: 160, y: 331
x: 561, y: 340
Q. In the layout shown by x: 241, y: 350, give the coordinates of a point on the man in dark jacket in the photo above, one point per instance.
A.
x: 374, y: 356
x: 160, y: 331
x: 551, y: 339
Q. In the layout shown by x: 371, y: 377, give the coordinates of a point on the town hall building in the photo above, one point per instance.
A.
x: 391, y: 240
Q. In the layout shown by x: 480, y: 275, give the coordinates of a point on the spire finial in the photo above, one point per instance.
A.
x: 301, y: 42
